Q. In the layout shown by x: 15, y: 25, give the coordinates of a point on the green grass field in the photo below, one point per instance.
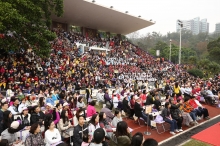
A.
x: 195, y: 143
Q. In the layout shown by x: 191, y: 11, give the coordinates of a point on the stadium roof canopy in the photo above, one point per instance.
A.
x: 87, y: 14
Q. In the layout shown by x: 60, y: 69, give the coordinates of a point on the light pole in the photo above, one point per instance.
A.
x: 170, y: 51
x: 180, y: 23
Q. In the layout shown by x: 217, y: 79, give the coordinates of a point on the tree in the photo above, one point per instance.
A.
x: 214, y: 50
x: 25, y: 24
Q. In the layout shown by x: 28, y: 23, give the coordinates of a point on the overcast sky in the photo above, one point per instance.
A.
x: 166, y: 12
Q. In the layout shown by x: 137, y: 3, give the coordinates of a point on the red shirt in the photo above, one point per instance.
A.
x: 193, y: 103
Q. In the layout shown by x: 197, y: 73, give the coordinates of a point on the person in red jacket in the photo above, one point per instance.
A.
x: 200, y: 110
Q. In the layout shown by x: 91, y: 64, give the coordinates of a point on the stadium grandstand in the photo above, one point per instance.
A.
x: 100, y: 88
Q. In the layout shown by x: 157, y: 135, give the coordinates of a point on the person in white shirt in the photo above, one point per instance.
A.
x: 9, y: 92
x: 14, y: 108
x: 52, y: 134
x: 115, y: 100
x: 93, y: 125
x: 23, y: 104
x: 99, y: 96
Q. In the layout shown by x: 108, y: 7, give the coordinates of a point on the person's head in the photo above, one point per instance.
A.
x: 4, y: 105
x: 7, y: 115
x: 117, y: 113
x: 59, y: 106
x: 99, y: 135
x: 64, y: 116
x: 81, y: 120
x: 50, y: 125
x: 176, y: 84
x: 16, y: 102
x: 167, y: 105
x: 137, y: 139
x: 36, y: 109
x: 157, y: 97
x: 121, y: 129
x: 92, y: 103
x: 150, y: 142
x: 41, y: 101
x: 80, y: 99
x: 14, y: 127
x: 171, y: 100
x: 102, y: 116
x: 95, y: 119
x: 66, y: 106
x: 48, y: 106
x: 24, y: 110
x: 35, y: 128
x: 23, y: 100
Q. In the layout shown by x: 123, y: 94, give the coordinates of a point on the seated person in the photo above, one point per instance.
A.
x: 91, y: 109
x: 139, y: 111
x: 168, y: 118
x: 150, y: 142
x: 109, y: 114
x: 200, y: 110
x: 117, y: 118
x: 80, y: 130
x: 99, y: 138
x: 157, y: 103
x: 189, y: 109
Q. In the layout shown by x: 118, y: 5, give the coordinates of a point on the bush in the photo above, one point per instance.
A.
x: 196, y: 73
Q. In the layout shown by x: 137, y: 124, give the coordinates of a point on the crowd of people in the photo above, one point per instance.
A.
x: 42, y: 104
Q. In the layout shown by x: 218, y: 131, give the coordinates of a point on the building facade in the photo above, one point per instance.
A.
x: 217, y: 27
x: 195, y: 25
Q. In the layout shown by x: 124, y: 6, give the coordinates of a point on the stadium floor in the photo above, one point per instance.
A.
x: 213, y: 111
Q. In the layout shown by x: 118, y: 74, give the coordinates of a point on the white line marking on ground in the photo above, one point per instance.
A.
x: 187, y: 130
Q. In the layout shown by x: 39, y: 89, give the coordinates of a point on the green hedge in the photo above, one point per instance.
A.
x: 196, y: 73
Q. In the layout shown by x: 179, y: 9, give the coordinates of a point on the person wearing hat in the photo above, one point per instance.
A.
x: 10, y: 135
x: 139, y: 111
x: 25, y: 117
x: 67, y: 108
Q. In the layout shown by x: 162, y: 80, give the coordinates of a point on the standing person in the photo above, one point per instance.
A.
x: 132, y: 103
x: 167, y: 118
x: 88, y: 94
x: 35, y: 137
x: 80, y: 130
x: 117, y: 118
x: 108, y: 100
x: 4, y: 107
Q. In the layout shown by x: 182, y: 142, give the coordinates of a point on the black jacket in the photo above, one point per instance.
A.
x: 37, y: 118
x: 149, y: 100
x: 174, y: 111
x: 126, y: 107
x: 138, y: 109
x: 77, y: 136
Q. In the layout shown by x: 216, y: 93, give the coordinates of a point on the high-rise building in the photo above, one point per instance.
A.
x: 217, y: 28
x: 204, y: 25
x: 194, y: 25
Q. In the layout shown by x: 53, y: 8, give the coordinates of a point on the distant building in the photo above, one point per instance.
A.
x: 194, y: 25
x: 217, y: 28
